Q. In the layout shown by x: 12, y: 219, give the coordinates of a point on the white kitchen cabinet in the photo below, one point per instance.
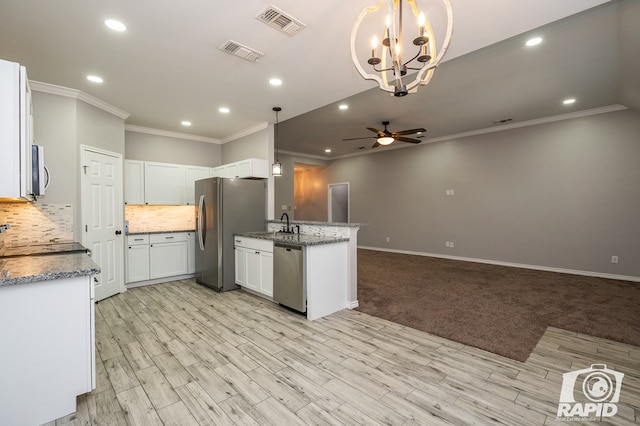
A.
x: 48, y: 348
x: 167, y: 254
x: 254, y: 264
x: 164, y: 183
x: 191, y: 252
x: 240, y: 254
x: 16, y: 131
x: 137, y: 258
x: 217, y: 171
x: 249, y: 168
x: 192, y: 174
x: 133, y: 182
x: 266, y: 273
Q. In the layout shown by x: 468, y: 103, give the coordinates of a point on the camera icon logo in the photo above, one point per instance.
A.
x: 591, y: 392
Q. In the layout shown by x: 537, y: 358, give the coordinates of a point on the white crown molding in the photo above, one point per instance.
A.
x: 52, y: 89
x: 170, y: 134
x: 510, y: 264
x: 251, y: 130
x: 544, y: 120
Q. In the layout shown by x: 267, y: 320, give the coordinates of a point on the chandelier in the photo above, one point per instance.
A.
x: 386, y: 61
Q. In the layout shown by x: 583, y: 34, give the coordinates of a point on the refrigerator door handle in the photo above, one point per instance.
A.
x: 200, y: 221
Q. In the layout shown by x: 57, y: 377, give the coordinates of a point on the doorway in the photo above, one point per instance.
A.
x: 339, y: 202
x: 102, y: 217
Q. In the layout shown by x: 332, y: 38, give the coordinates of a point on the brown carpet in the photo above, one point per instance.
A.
x: 500, y: 309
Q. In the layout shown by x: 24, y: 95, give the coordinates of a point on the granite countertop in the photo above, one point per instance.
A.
x: 310, y: 222
x: 293, y: 239
x: 30, y: 269
x: 159, y: 232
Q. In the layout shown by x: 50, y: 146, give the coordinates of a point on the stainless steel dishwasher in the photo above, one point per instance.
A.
x: 288, y: 277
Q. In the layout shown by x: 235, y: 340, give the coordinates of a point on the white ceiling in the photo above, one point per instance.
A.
x: 167, y: 67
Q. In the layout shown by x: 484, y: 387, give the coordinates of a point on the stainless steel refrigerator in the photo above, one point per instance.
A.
x: 225, y: 207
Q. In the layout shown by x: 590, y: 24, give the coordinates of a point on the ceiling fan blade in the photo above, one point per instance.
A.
x: 375, y: 145
x: 354, y: 139
x: 409, y: 132
x: 374, y: 130
x: 410, y: 140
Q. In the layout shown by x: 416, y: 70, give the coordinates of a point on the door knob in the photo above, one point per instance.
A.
x: 118, y: 232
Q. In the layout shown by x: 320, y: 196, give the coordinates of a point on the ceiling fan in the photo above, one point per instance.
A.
x: 385, y: 137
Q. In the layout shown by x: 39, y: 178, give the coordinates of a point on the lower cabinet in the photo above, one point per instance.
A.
x: 254, y: 264
x: 137, y: 258
x: 167, y: 255
x: 48, y: 349
x: 152, y: 256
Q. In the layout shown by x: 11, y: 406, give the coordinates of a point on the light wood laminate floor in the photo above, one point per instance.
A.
x: 181, y: 354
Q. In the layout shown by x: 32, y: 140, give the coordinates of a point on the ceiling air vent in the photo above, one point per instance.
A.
x: 241, y: 51
x: 281, y: 21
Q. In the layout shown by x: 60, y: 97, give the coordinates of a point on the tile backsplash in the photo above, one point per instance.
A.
x: 36, y: 223
x: 160, y: 218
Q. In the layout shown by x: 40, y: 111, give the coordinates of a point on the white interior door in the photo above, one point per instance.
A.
x: 102, y: 217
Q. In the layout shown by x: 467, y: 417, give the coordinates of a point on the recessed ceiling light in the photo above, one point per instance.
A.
x: 275, y: 82
x: 185, y: 123
x: 569, y: 101
x: 95, y: 79
x: 224, y: 110
x: 534, y: 41
x: 115, y: 25
x: 343, y: 106
x: 327, y: 150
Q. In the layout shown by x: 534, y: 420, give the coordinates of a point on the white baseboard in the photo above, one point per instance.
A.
x: 352, y: 305
x: 514, y: 265
x: 159, y: 280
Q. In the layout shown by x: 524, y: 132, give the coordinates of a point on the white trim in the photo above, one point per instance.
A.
x: 352, y: 305
x: 514, y: 265
x: 535, y: 122
x: 251, y: 130
x: 170, y: 134
x: 159, y: 280
x: 78, y: 94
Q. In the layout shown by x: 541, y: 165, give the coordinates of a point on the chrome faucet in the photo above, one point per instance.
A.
x: 287, y: 228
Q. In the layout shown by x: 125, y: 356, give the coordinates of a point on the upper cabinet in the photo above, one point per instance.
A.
x: 16, y: 132
x: 163, y: 183
x: 147, y: 182
x: 133, y: 182
x: 249, y: 168
x: 192, y: 174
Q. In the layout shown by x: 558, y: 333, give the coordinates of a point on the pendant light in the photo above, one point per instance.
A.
x: 276, y: 168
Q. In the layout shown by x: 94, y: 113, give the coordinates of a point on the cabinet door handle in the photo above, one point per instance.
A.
x: 138, y: 239
x: 169, y: 238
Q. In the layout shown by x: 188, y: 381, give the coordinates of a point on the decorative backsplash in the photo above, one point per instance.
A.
x: 36, y: 223
x: 160, y: 218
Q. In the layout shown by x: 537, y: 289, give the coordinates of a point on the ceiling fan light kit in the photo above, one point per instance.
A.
x: 392, y: 76
x: 385, y: 137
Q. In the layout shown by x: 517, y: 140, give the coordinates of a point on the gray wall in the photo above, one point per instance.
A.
x: 559, y: 195
x: 255, y: 145
x: 165, y: 149
x: 61, y: 125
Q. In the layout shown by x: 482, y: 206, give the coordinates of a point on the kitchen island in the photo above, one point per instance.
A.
x: 332, y: 229
x: 47, y: 329
x: 328, y: 268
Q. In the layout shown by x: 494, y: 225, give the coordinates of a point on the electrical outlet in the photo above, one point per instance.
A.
x: 614, y: 259
x: 388, y: 239
x: 448, y: 244
x: 449, y: 192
